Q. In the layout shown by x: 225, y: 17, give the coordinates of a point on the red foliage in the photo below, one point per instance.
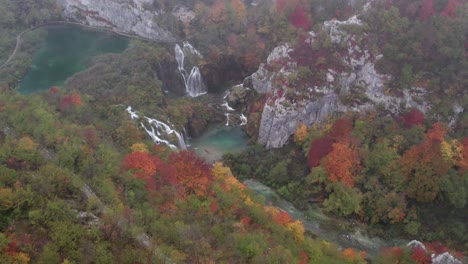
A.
x: 91, y: 137
x: 299, y: 18
x: 53, y: 90
x: 12, y: 248
x: 341, y: 130
x: 70, y: 100
x: 282, y: 218
x: 450, y: 8
x: 16, y: 164
x: 427, y: 10
x: 280, y: 93
x: 144, y: 166
x: 436, y: 247
x: 193, y: 173
x: 246, y: 221
x: 414, y: 118
x: 303, y: 257
x: 420, y: 256
x: 281, y: 5
x: 214, y: 207
x: 319, y: 148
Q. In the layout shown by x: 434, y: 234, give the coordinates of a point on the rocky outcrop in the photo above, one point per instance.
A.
x: 125, y: 16
x: 358, y: 87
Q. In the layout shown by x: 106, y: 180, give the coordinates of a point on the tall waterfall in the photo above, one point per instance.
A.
x: 194, y: 85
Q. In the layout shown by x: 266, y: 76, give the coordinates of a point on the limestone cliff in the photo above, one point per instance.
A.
x: 355, y: 87
x: 125, y: 16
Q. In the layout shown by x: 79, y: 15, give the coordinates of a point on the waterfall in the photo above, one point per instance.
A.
x: 179, y: 55
x: 243, y: 120
x: 194, y: 85
x: 182, y: 144
x: 226, y: 105
x: 227, y: 118
x: 155, y: 138
x: 157, y: 129
x: 133, y: 114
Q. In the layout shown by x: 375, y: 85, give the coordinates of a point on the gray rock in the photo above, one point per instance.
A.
x: 281, y: 117
x: 237, y: 95
x: 278, y: 123
x: 125, y: 16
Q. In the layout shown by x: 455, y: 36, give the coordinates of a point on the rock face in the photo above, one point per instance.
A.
x: 125, y: 16
x: 357, y: 88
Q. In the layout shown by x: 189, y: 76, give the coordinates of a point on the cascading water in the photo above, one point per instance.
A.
x: 233, y: 117
x: 157, y: 129
x: 194, y: 85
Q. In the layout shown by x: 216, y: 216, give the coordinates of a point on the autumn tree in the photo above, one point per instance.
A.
x: 451, y: 8
x: 301, y: 133
x: 193, y: 173
x: 423, y: 166
x: 144, y: 166
x: 342, y: 164
x: 319, y: 148
x: 341, y: 130
x: 414, y: 118
x: 299, y: 18
x: 427, y: 10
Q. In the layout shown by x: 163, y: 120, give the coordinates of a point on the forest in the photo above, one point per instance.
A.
x: 81, y: 181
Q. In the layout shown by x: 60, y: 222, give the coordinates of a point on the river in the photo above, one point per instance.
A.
x: 324, y: 227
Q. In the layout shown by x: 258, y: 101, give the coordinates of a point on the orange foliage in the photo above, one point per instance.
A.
x: 301, y: 133
x: 282, y: 218
x: 239, y: 9
x: 341, y: 164
x: 423, y: 166
x: 437, y: 133
x: 193, y: 173
x: 217, y: 11
x: 144, y: 166
x: 349, y: 253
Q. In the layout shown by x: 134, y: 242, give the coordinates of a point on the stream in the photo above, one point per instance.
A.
x: 323, y: 226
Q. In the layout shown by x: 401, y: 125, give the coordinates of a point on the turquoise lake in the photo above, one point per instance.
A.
x: 218, y: 140
x: 66, y: 51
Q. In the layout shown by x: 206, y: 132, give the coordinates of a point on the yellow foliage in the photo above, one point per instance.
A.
x: 451, y: 151
x: 301, y: 133
x: 6, y: 198
x: 398, y: 142
x: 20, y: 258
x: 26, y: 143
x: 297, y: 228
x: 139, y: 147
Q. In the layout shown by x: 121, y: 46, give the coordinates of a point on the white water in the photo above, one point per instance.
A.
x: 133, y: 114
x: 226, y: 105
x: 194, y: 85
x: 158, y: 129
x: 243, y: 120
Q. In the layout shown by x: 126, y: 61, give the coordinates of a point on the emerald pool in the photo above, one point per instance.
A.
x: 66, y: 51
